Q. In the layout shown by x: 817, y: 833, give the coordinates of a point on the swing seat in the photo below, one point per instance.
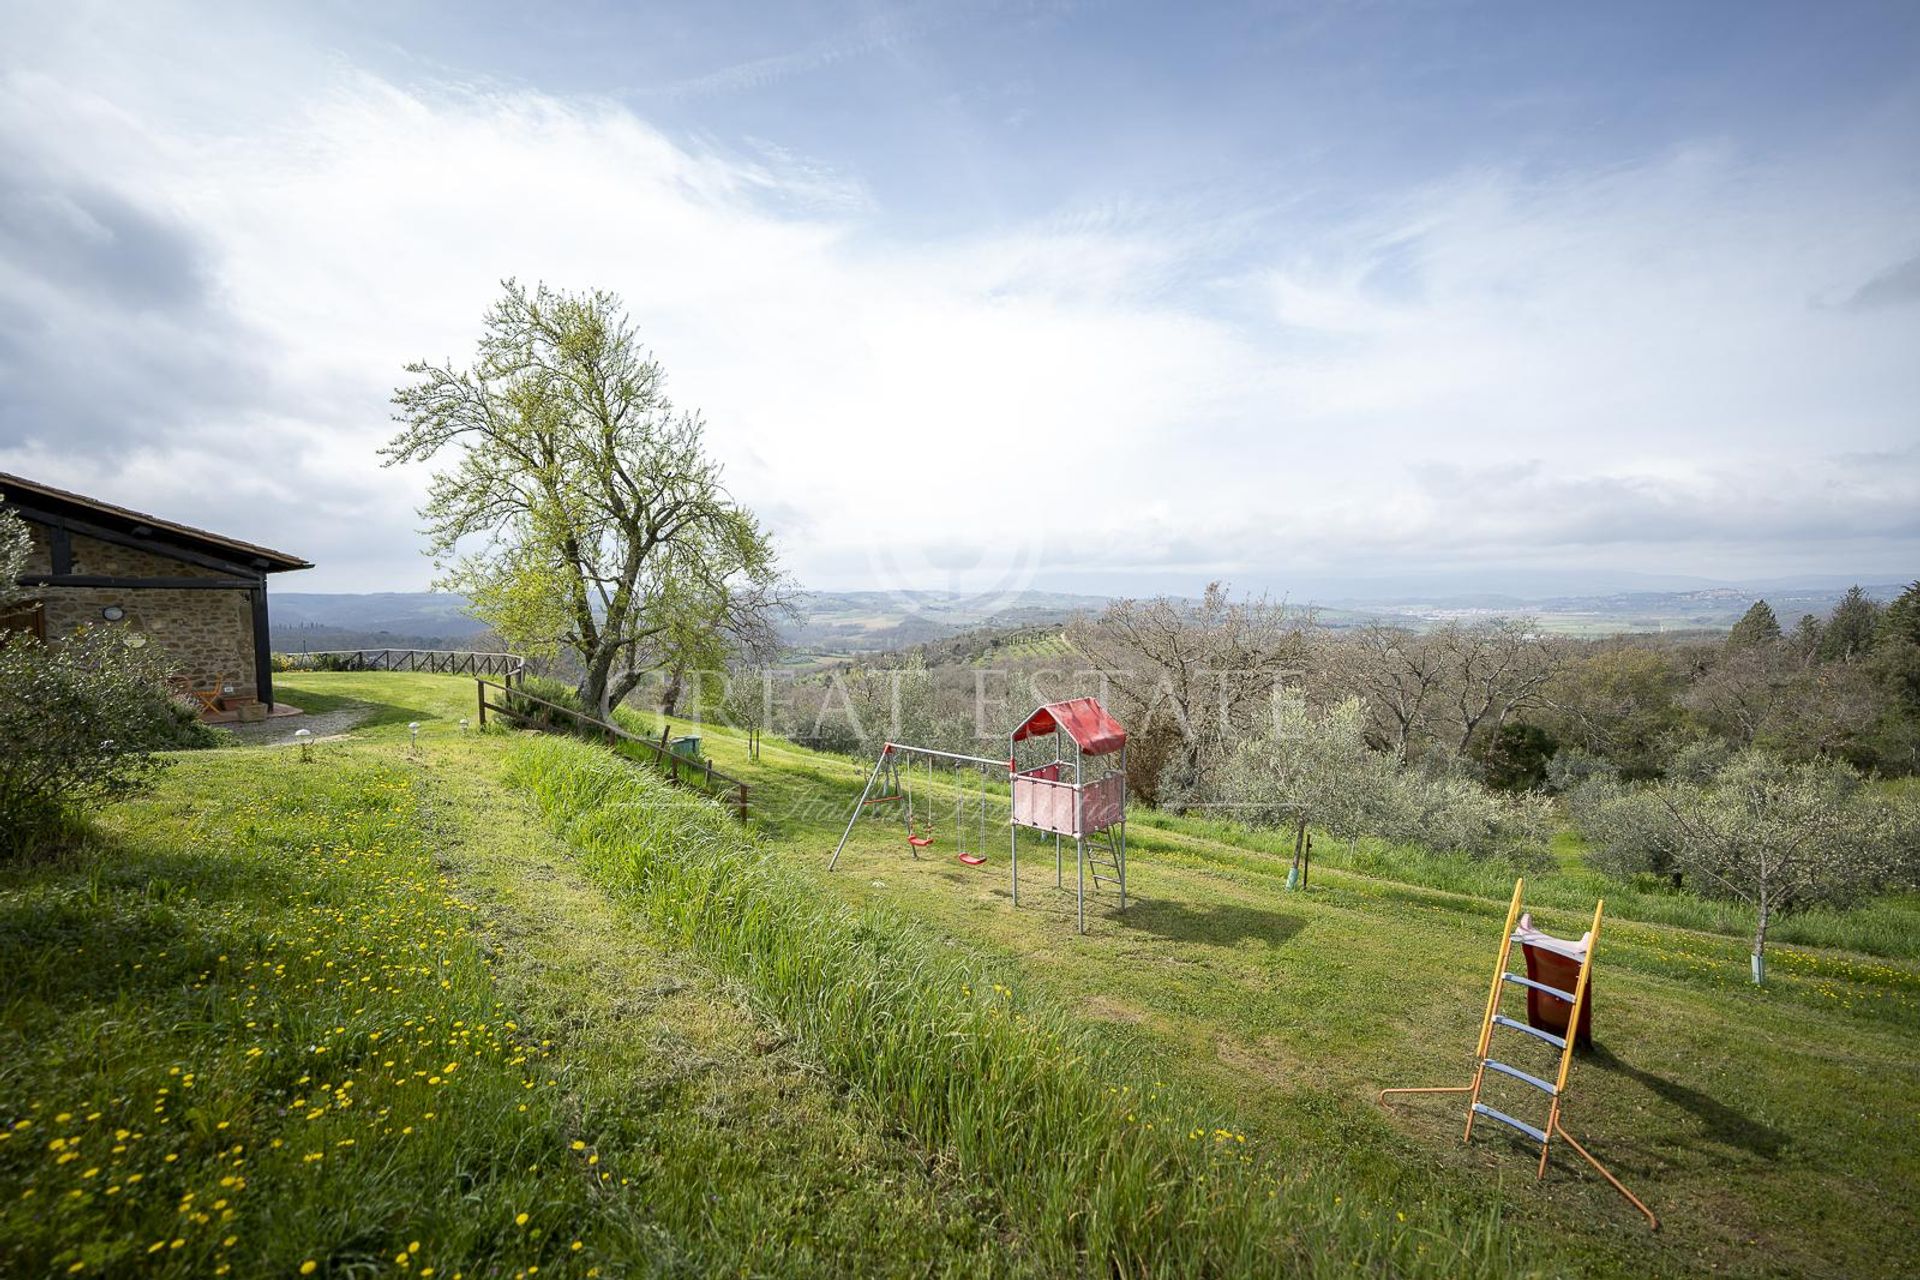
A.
x: 971, y: 859
x: 919, y: 842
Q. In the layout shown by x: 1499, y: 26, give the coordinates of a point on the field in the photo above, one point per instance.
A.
x: 563, y: 990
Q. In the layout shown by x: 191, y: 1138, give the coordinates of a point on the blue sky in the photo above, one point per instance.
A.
x: 1107, y: 297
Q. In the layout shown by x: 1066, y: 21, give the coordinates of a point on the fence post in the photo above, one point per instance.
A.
x: 707, y: 786
x: 480, y: 692
x: 743, y: 802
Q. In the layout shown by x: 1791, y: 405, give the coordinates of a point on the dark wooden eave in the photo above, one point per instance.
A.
x: 68, y: 513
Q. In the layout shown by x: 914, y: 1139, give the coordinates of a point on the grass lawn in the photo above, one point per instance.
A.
x: 364, y: 1016
x: 1774, y: 1131
x: 285, y: 1013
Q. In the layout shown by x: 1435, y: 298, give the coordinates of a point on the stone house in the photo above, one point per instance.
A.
x: 200, y: 598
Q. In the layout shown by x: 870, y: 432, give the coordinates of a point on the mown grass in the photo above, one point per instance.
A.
x: 1887, y: 926
x: 364, y: 1014
x: 1102, y: 1168
x: 1773, y: 1129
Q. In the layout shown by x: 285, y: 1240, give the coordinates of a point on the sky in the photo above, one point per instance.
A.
x: 1112, y: 298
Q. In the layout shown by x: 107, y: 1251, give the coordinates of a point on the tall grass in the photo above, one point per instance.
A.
x: 1103, y: 1169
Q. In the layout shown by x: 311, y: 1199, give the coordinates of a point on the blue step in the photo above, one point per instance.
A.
x: 1482, y: 1108
x: 1501, y: 1019
x: 1545, y: 1086
x: 1555, y: 992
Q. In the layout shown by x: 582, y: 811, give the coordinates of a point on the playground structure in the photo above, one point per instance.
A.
x: 1082, y: 798
x: 1556, y: 1015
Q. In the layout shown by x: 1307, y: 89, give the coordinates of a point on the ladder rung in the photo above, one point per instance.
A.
x: 1482, y: 1108
x: 1545, y: 1086
x: 1555, y: 992
x: 1501, y: 1019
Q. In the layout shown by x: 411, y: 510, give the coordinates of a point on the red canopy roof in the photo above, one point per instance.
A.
x: 1082, y: 719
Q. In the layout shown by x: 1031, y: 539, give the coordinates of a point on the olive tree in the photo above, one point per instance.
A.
x: 1310, y: 768
x: 1778, y: 835
x: 581, y: 510
x: 80, y: 722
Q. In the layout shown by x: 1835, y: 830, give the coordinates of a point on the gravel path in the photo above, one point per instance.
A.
x: 326, y: 724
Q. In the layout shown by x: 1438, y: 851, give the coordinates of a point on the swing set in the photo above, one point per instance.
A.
x: 891, y: 782
x: 1083, y: 798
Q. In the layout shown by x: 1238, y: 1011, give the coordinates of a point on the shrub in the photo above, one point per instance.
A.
x: 79, y: 723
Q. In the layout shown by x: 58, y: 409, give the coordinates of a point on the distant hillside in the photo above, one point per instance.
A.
x: 851, y: 621
x: 305, y: 621
x: 845, y: 622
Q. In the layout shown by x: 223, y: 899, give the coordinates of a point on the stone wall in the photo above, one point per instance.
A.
x: 206, y: 635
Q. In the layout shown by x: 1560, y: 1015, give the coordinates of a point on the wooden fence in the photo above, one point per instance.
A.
x: 678, y: 769
x: 459, y: 662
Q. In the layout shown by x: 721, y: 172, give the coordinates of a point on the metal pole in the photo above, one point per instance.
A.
x: 834, y: 861
x: 1123, y: 826
x: 945, y: 755
x: 1079, y: 841
x: 1013, y: 827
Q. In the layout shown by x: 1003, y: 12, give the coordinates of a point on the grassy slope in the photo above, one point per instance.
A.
x: 188, y: 998
x: 1773, y: 1131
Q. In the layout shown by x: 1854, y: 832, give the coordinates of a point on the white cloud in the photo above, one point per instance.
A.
x: 1649, y: 367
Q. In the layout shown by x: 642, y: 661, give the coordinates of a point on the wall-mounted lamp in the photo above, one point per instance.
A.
x: 113, y: 613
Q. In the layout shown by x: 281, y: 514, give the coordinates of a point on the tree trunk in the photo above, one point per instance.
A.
x: 1299, y: 850
x: 1760, y: 943
x: 595, y: 678
x: 670, y: 695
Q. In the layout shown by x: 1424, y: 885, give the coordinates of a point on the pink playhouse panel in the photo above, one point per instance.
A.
x: 1043, y: 803
x: 1103, y: 803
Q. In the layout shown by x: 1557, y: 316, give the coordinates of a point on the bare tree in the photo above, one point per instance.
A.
x: 1397, y: 670
x: 1494, y: 668
x: 1189, y: 677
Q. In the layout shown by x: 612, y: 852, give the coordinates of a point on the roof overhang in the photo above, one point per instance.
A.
x: 44, y: 504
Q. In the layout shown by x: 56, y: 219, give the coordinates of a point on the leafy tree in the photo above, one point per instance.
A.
x: 601, y: 523
x: 1516, y: 756
x: 1775, y: 834
x: 1804, y: 643
x: 79, y: 723
x: 16, y: 545
x: 1757, y: 626
x: 1901, y: 619
x: 1620, y: 702
x: 1850, y: 627
x: 1626, y: 835
x: 1451, y: 813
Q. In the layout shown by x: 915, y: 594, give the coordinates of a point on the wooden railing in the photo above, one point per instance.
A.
x: 460, y: 662
x: 679, y: 769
